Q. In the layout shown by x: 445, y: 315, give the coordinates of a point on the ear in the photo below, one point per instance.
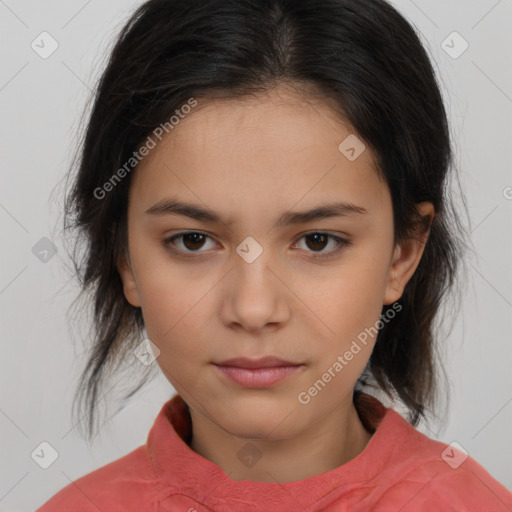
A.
x: 124, y: 267
x: 407, y: 256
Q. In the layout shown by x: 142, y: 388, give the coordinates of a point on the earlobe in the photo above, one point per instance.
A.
x: 407, y: 256
x: 129, y: 285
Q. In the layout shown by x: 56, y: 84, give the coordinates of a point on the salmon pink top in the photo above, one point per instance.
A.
x: 399, y: 470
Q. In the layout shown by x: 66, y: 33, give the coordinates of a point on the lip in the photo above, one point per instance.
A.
x: 257, y: 373
x: 257, y: 378
x: 261, y: 362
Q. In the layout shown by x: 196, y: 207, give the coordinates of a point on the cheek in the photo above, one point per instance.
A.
x: 352, y: 296
x: 174, y: 307
x: 170, y: 317
x: 170, y: 310
x: 350, y: 305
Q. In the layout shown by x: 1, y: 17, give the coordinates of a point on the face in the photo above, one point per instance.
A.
x: 252, y: 283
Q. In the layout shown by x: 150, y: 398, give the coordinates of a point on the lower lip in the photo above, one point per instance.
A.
x: 257, y: 378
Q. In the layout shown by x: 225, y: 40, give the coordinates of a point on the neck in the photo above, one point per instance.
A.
x: 332, y: 441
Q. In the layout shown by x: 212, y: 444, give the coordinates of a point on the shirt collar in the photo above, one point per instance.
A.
x: 181, y: 471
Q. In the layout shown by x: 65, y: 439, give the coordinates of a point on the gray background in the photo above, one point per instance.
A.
x: 40, y: 104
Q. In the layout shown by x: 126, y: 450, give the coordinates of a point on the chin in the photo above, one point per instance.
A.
x: 258, y: 419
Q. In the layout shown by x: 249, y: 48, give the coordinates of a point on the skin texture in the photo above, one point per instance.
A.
x: 250, y: 160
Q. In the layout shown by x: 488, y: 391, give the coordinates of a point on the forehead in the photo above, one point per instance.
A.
x: 280, y: 121
x: 262, y: 151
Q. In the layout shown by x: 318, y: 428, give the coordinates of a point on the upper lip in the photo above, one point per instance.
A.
x: 262, y: 362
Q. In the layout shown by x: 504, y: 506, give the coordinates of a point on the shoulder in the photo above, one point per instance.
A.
x: 425, y: 474
x: 432, y: 486
x: 118, y: 486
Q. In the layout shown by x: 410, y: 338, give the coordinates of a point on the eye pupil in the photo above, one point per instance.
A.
x: 194, y: 238
x: 316, y: 237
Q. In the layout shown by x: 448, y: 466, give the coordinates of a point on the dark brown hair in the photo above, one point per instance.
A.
x: 363, y: 58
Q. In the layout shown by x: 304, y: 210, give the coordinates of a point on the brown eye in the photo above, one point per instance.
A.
x: 316, y: 242
x: 191, y: 242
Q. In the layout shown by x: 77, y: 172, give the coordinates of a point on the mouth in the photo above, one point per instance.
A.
x: 257, y: 363
x: 257, y: 373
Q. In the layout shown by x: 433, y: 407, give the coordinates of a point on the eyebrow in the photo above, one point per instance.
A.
x: 175, y: 207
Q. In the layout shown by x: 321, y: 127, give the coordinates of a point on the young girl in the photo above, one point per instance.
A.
x: 262, y: 192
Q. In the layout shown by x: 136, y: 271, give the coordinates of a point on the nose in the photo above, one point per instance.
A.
x: 255, y: 295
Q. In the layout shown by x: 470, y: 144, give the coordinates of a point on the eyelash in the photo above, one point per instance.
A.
x: 342, y: 243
